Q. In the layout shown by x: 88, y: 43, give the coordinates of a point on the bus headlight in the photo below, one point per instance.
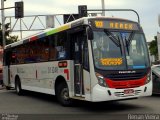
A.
x: 148, y: 77
x: 101, y: 80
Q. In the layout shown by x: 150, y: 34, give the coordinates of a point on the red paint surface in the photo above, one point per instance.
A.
x: 126, y: 83
x: 66, y: 71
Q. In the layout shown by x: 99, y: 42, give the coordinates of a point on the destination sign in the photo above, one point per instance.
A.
x: 111, y: 61
x: 125, y: 25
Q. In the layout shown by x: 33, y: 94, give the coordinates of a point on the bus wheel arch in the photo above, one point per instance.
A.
x: 62, y: 91
x: 18, y: 85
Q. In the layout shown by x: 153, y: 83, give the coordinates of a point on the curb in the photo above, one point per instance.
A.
x: 2, y: 87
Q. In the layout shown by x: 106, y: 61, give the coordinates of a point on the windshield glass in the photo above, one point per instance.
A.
x: 136, y: 50
x: 119, y: 50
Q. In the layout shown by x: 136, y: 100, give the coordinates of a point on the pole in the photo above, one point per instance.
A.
x: 158, y: 45
x: 21, y: 28
x: 3, y: 23
x: 103, y: 8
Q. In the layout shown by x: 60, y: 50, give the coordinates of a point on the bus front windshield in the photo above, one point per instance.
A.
x: 119, y: 50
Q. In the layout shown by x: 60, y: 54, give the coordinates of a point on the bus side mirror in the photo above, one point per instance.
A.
x: 89, y: 33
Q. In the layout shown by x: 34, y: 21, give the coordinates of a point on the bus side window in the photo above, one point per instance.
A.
x: 53, y: 53
x: 53, y: 50
x: 13, y: 57
x: 43, y: 47
x: 28, y: 55
x: 60, y: 43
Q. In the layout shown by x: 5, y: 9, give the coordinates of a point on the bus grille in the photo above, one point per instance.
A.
x: 126, y: 76
x: 125, y: 83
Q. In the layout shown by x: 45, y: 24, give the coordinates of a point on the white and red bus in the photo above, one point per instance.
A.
x: 92, y: 58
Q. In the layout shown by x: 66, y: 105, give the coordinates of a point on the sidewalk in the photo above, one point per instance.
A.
x: 1, y: 87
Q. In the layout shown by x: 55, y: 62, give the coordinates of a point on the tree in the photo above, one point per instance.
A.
x: 153, y: 48
x: 9, y: 39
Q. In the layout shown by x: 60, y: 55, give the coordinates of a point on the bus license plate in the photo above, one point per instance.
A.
x: 128, y: 91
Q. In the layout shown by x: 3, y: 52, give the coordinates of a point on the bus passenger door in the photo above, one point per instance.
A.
x: 77, y: 53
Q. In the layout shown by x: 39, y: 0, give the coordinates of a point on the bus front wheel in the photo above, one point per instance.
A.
x: 63, y: 94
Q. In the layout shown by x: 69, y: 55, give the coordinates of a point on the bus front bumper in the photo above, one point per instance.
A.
x: 107, y: 94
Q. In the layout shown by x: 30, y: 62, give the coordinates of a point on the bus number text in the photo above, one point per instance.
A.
x: 52, y: 69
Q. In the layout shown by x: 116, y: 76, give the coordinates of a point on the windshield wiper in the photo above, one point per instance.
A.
x: 113, y: 38
x: 130, y: 39
x: 128, y: 42
x: 120, y: 46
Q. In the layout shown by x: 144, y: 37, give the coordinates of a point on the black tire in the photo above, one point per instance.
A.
x: 8, y: 88
x: 63, y: 94
x: 18, y: 88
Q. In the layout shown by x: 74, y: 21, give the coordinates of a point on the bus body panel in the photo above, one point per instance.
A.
x: 94, y: 81
x: 87, y: 85
x: 41, y: 77
x: 5, y: 76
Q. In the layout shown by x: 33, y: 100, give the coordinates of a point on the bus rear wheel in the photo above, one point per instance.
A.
x: 63, y: 94
x: 18, y: 87
x: 8, y: 88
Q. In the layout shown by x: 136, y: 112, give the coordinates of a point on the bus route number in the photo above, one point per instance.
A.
x: 52, y: 69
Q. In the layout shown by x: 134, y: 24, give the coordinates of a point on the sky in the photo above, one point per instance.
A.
x: 148, y: 10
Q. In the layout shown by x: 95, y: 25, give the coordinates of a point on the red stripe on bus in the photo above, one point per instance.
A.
x: 33, y: 38
x: 66, y: 71
x: 126, y: 83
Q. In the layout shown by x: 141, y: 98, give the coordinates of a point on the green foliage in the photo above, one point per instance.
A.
x: 153, y: 48
x: 9, y: 39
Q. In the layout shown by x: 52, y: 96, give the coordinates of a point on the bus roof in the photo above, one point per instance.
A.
x: 63, y: 27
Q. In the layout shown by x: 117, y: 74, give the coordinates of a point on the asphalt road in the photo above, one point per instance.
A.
x: 35, y: 105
